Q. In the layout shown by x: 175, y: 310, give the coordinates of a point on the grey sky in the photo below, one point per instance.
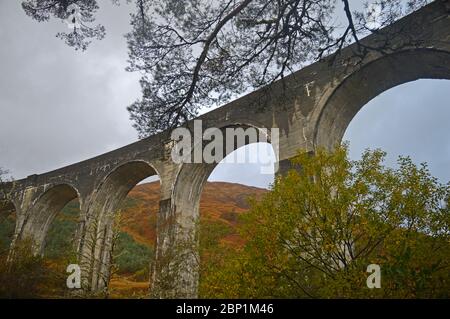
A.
x: 59, y: 106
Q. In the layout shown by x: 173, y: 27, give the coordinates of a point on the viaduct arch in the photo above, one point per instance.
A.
x: 311, y: 108
x: 43, y: 212
x: 371, y: 80
x: 177, y: 232
x: 96, y: 242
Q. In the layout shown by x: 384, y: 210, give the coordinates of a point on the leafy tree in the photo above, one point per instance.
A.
x: 317, y: 231
x: 79, y: 19
x: 7, y: 227
x: 27, y: 275
x: 7, y: 212
x: 198, y: 53
x: 212, y: 250
x: 131, y: 256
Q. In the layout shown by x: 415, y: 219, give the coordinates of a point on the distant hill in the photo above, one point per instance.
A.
x: 220, y: 202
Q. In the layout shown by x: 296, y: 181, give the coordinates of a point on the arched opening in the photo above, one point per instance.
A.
x: 243, y: 174
x: 43, y: 214
x: 7, y: 227
x: 248, y: 152
x: 210, y: 197
x: 371, y: 80
x: 409, y: 120
x: 191, y: 179
x: 127, y: 203
x: 51, y: 230
x: 61, y: 242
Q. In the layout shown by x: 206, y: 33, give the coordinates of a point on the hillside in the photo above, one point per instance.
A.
x: 220, y: 202
x: 220, y: 206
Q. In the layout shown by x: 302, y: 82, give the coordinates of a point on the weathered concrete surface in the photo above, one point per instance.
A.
x: 312, y: 107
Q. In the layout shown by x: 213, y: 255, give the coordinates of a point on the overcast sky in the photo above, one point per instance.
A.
x: 59, y: 106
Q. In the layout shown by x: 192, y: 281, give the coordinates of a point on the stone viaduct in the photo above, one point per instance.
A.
x: 311, y: 108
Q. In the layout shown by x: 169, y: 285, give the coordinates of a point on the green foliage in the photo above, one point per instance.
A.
x: 60, y: 238
x: 321, y: 225
x: 7, y: 226
x: 198, y: 53
x: 131, y: 256
x: 213, y: 252
x: 26, y: 275
x: 81, y: 35
x: 211, y: 231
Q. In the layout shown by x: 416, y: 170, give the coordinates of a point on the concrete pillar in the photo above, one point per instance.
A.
x: 175, y: 272
x: 95, y: 252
